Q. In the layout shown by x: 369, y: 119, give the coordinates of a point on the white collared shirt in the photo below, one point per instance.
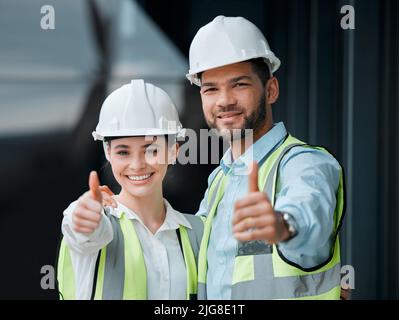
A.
x: 166, y: 271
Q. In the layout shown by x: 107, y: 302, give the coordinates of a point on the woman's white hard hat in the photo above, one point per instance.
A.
x: 138, y: 109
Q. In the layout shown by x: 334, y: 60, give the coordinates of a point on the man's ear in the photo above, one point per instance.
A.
x: 272, y: 90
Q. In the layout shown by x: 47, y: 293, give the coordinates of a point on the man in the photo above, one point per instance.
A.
x: 272, y: 234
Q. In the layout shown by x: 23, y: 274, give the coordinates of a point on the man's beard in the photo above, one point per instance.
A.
x: 253, y: 122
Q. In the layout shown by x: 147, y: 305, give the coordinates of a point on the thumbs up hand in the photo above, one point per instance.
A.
x: 94, y: 185
x: 254, y: 217
x: 87, y: 214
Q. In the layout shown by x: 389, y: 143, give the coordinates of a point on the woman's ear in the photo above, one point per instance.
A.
x: 107, y: 149
x: 173, y: 152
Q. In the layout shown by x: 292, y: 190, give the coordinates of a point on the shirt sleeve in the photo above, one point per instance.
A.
x: 86, y: 244
x: 306, y: 188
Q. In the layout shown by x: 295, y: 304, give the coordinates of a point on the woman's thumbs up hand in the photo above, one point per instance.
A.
x: 87, y: 214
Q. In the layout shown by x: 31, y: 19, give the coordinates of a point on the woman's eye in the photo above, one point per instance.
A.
x: 122, y: 153
x: 151, y: 151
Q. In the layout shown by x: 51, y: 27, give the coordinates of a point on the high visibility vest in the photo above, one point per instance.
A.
x: 260, y: 270
x: 120, y: 269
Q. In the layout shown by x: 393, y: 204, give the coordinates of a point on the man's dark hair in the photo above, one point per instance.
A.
x: 259, y: 66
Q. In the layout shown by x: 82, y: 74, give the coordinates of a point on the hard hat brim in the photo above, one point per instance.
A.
x: 137, y: 133
x: 271, y: 59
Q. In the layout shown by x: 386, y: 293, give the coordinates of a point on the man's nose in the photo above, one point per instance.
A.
x: 226, y: 98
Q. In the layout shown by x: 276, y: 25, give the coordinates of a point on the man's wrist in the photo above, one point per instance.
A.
x: 289, y: 226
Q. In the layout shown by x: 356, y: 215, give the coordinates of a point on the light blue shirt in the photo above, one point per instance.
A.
x: 308, y: 180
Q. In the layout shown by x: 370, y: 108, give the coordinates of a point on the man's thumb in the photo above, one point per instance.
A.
x: 94, y: 185
x: 253, y: 178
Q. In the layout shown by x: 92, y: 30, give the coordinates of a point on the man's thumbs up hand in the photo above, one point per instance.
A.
x: 87, y: 214
x: 253, y: 178
x: 254, y: 217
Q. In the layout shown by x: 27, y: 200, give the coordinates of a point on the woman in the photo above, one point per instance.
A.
x: 142, y: 248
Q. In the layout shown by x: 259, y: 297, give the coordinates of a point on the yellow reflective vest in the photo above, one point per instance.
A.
x: 120, y: 268
x: 260, y: 270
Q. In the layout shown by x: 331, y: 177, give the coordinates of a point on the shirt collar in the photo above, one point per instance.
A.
x: 173, y: 220
x: 256, y: 152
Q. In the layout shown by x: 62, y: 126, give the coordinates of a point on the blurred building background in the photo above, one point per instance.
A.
x: 338, y: 88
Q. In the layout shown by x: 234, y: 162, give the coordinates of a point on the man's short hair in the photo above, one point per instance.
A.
x: 259, y: 66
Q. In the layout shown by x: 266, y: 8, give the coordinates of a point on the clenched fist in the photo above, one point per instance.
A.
x: 254, y: 217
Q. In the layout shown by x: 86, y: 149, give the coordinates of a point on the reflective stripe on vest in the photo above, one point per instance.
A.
x: 121, y: 272
x: 260, y: 269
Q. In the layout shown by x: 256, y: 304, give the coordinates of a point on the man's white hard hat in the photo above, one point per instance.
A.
x: 228, y: 40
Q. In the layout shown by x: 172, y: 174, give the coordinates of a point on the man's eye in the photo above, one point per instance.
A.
x: 209, y: 90
x: 122, y: 153
x: 240, y: 84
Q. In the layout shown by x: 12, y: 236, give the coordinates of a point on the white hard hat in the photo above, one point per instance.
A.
x: 228, y: 40
x: 138, y: 109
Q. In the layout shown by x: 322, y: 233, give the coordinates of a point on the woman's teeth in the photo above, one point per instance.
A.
x: 139, y: 178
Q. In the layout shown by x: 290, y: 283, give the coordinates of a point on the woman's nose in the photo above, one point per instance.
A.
x: 137, y: 163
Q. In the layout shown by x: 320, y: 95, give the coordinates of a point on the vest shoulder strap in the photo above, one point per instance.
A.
x: 195, y: 234
x: 214, y: 187
x: 273, y: 162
